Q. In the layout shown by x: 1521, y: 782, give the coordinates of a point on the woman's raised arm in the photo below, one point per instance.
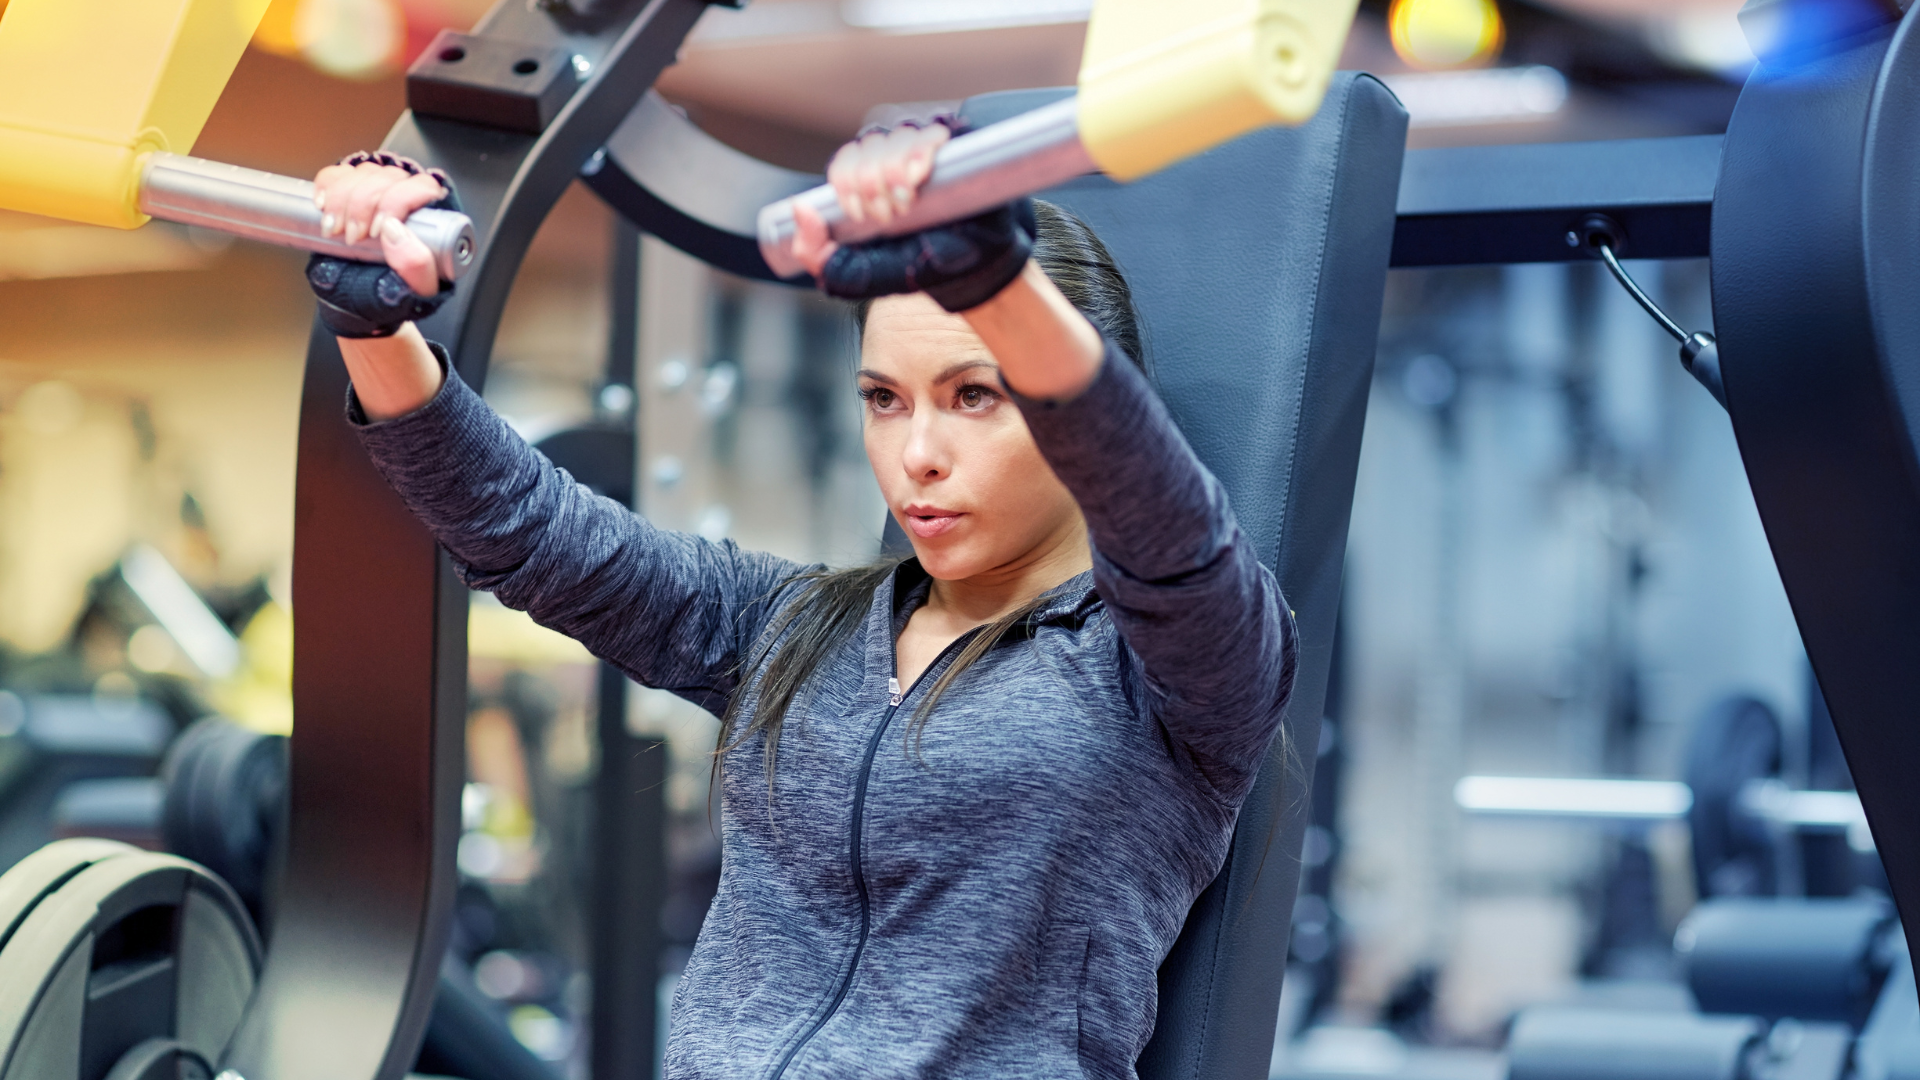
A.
x: 1207, y: 633
x: 672, y: 610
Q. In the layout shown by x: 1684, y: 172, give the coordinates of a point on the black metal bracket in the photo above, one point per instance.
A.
x: 493, y: 83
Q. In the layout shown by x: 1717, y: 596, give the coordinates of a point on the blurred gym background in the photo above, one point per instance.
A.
x: 1556, y: 570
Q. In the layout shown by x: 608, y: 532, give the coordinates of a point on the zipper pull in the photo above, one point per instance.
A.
x: 893, y: 690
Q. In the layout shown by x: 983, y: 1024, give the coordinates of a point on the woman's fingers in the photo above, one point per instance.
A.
x: 840, y: 175
x: 878, y: 177
x: 812, y: 244
x: 350, y: 197
x: 908, y: 162
x: 920, y: 160
x: 369, y: 188
x: 408, y: 256
x: 402, y: 199
x: 330, y: 189
x: 876, y: 156
x: 324, y: 189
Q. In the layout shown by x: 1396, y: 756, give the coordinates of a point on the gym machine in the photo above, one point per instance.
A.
x: 513, y: 112
x: 1798, y: 205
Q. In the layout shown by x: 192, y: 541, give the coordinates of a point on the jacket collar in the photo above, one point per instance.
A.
x: 1069, y: 602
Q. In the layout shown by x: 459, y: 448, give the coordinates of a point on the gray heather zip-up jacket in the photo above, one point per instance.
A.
x: 996, y: 906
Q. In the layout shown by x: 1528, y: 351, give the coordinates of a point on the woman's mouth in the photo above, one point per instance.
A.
x: 927, y: 522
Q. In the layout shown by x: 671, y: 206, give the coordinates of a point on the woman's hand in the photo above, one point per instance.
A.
x: 1043, y: 344
x: 371, y: 199
x: 395, y: 374
x: 877, y: 177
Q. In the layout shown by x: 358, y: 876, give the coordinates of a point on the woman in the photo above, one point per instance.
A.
x: 968, y: 798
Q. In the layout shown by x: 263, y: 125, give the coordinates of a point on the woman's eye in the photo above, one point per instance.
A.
x: 974, y: 397
x: 879, y: 397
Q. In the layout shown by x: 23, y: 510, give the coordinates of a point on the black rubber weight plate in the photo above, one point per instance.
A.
x: 135, y: 947
x: 220, y: 777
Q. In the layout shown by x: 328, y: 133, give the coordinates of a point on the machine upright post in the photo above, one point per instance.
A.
x: 630, y: 812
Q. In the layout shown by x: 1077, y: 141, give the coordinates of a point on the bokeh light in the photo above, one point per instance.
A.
x: 354, y: 39
x: 275, y: 33
x: 1446, y: 33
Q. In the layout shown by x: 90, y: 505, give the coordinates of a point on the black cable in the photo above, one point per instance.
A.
x: 1620, y: 274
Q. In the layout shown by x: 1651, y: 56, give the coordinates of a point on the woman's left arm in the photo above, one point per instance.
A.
x: 1203, y: 619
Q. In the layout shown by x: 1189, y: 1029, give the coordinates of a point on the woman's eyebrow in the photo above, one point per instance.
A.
x: 965, y: 365
x: 869, y: 373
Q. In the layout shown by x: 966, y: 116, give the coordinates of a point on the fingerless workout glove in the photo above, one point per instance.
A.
x: 961, y: 265
x: 369, y: 300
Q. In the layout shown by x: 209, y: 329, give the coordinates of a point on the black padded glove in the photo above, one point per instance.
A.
x: 369, y: 300
x: 961, y: 264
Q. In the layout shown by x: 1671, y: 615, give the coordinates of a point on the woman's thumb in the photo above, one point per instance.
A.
x: 409, y: 257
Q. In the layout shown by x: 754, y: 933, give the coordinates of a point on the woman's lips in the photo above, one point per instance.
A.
x: 927, y: 522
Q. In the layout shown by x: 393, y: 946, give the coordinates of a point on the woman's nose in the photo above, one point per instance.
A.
x: 926, y: 455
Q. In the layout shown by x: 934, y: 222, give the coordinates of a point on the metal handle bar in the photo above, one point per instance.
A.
x: 971, y: 174
x: 279, y: 210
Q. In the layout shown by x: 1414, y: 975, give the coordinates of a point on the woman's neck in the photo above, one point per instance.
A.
x: 984, y: 597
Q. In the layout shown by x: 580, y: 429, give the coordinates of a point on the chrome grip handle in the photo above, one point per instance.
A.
x: 971, y: 174
x: 279, y: 210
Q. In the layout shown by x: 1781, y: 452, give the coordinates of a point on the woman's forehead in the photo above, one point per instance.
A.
x: 909, y: 337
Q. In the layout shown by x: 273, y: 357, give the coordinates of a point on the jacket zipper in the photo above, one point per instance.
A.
x: 894, y: 697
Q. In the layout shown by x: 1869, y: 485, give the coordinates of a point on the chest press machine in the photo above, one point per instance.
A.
x: 1272, y: 248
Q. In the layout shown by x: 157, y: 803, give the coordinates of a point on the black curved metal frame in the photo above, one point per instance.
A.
x: 378, y: 757
x: 1814, y: 300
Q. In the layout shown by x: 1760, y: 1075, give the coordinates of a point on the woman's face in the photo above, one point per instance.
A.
x: 954, y: 458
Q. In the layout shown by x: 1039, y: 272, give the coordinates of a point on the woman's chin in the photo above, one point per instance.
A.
x: 945, y: 560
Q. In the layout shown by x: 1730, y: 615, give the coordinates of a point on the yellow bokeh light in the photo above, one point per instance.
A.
x: 275, y: 33
x: 1446, y: 33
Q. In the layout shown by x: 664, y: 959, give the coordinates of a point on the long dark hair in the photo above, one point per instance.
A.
x: 831, y: 603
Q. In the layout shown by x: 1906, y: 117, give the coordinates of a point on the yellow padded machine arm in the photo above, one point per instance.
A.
x: 89, y: 88
x: 1162, y: 80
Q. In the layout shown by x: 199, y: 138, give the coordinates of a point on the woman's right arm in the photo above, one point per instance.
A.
x: 673, y: 610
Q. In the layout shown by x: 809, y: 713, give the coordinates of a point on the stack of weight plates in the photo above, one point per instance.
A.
x: 119, y: 964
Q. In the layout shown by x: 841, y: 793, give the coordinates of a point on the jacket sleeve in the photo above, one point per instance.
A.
x: 1205, y: 629
x: 672, y: 610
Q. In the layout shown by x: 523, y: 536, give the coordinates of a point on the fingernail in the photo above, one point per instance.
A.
x: 328, y: 223
x: 353, y: 232
x: 855, y: 209
x: 902, y: 196
x: 379, y: 226
x: 391, y: 229
x: 319, y: 198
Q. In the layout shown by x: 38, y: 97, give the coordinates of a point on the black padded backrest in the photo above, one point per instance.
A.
x: 1258, y: 268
